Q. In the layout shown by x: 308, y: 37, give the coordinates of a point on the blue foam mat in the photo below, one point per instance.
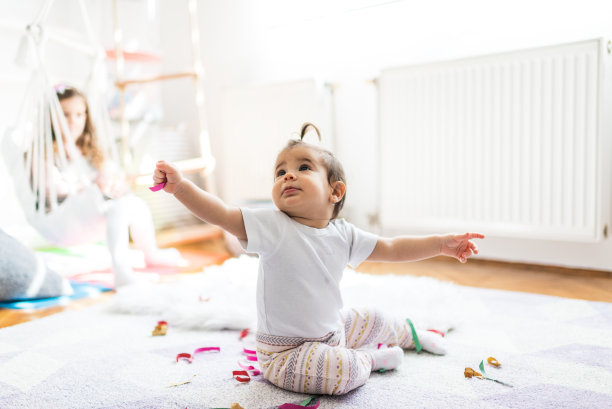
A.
x: 81, y: 290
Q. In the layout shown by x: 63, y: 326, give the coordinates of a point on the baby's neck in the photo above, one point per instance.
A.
x: 316, y: 223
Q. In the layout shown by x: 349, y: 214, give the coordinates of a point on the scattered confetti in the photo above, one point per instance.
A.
x: 469, y: 372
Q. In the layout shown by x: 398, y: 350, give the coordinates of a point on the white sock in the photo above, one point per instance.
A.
x: 387, y: 358
x: 432, y: 342
x: 123, y: 276
x: 163, y: 257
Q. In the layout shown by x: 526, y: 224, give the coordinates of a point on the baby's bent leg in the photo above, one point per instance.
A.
x: 369, y: 326
x: 315, y: 367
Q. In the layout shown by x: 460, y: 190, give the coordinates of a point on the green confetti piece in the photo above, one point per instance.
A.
x: 309, y: 401
x: 486, y: 376
x: 415, y: 338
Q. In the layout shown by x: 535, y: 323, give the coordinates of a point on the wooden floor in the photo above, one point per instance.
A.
x: 561, y: 282
x: 570, y: 283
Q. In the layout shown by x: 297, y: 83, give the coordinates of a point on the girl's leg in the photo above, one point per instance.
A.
x: 313, y: 366
x: 118, y: 240
x: 142, y: 230
x: 366, y: 327
x: 131, y: 212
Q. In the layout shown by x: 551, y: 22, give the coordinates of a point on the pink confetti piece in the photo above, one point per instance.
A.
x: 241, y: 376
x: 206, y: 349
x: 184, y: 355
x: 249, y: 368
x: 157, y: 187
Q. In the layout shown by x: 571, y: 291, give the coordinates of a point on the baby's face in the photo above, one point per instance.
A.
x: 75, y: 112
x: 301, y: 188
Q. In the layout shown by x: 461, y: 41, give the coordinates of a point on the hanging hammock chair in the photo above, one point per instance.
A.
x: 32, y: 157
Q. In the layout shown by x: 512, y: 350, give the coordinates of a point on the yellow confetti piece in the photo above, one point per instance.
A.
x: 179, y: 383
x: 493, y: 361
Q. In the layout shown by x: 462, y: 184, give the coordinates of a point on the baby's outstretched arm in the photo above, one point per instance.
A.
x: 460, y: 246
x: 405, y: 248
x: 207, y: 207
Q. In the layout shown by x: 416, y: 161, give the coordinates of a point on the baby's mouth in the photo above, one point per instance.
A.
x: 289, y: 190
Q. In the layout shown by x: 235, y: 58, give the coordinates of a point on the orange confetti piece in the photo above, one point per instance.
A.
x: 160, y: 329
x: 493, y: 361
x: 469, y: 373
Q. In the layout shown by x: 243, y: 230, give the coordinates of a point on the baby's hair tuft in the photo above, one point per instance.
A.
x: 305, y: 127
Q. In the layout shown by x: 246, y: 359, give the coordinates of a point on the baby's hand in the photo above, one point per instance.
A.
x: 169, y: 174
x: 460, y: 246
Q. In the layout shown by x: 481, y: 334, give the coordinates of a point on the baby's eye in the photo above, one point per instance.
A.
x: 280, y: 173
x: 304, y: 167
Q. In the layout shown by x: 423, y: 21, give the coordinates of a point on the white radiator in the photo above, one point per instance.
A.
x: 512, y: 144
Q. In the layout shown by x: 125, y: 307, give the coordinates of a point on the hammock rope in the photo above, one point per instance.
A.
x: 32, y: 156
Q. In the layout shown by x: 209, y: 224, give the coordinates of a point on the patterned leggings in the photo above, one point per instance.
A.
x: 331, y: 364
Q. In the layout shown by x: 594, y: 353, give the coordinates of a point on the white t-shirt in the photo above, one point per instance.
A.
x: 300, y: 267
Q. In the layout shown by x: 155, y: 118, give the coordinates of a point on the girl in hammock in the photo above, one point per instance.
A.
x: 121, y: 209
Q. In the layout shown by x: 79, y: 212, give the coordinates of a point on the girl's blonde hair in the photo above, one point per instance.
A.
x: 87, y: 142
x: 335, y: 171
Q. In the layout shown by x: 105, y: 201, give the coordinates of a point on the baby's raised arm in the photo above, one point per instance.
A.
x: 406, y: 248
x: 207, y: 207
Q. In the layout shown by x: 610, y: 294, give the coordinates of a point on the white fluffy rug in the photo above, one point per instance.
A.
x: 224, y: 297
x: 557, y: 353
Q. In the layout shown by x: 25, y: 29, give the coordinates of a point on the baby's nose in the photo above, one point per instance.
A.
x: 289, y: 176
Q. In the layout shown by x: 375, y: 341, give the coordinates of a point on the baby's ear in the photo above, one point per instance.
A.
x: 338, y: 190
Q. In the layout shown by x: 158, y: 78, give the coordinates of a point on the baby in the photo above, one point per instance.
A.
x: 306, y: 341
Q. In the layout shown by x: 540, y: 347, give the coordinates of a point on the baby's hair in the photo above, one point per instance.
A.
x: 335, y: 171
x: 87, y: 142
x: 305, y: 129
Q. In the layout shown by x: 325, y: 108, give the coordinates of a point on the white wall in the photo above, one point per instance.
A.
x: 345, y: 42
